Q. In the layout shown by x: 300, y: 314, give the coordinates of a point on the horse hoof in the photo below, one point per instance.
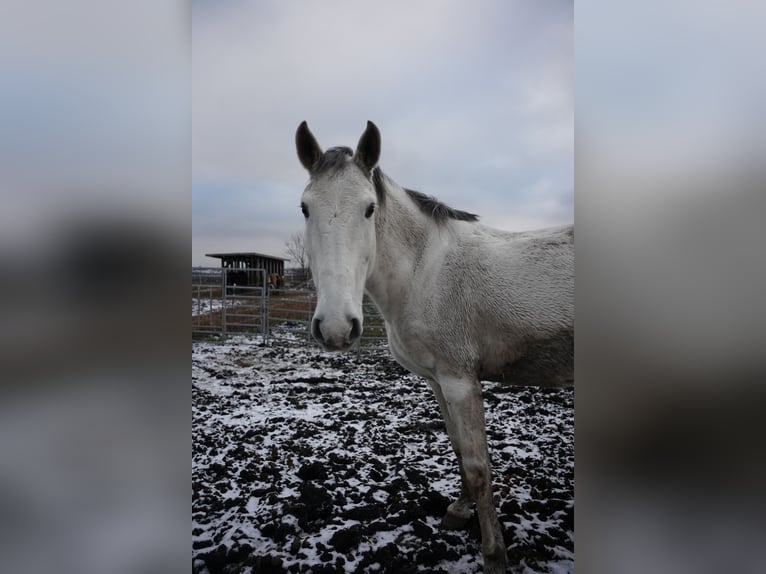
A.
x: 494, y: 567
x: 494, y: 559
x: 455, y: 522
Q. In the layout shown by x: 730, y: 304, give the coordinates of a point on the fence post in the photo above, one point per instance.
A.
x: 210, y: 307
x: 197, y: 301
x: 265, y: 300
x: 223, y: 304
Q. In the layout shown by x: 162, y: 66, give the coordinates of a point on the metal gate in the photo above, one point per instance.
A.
x: 239, y: 301
x: 229, y: 301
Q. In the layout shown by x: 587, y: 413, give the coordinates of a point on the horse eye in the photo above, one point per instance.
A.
x: 305, y: 210
x: 370, y: 211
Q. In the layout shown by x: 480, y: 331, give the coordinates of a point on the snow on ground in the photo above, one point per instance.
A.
x: 305, y: 461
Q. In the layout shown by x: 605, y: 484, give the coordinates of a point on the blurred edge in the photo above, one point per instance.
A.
x: 94, y: 253
x: 671, y: 272
x: 94, y: 161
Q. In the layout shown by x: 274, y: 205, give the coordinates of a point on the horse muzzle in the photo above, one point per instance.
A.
x: 336, y: 334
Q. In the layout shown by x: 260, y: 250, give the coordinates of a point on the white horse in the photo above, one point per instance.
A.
x: 462, y: 302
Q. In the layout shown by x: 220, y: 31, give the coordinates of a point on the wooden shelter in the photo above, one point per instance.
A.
x: 237, y: 267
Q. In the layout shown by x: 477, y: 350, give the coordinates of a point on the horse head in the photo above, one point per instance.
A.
x: 339, y: 205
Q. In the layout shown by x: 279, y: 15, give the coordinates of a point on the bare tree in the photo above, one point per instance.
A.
x: 295, y: 248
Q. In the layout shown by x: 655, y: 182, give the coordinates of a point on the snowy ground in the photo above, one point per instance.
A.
x: 305, y: 461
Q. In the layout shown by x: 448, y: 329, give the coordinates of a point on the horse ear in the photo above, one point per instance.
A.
x: 368, y: 149
x: 309, y: 151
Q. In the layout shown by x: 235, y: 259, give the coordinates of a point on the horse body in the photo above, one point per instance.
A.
x: 479, y: 301
x: 462, y: 302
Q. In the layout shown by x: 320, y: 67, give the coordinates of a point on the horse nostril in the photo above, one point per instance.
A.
x: 316, y: 331
x: 356, y: 329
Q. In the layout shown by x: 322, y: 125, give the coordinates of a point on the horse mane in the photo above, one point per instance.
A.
x: 436, y: 209
x: 429, y: 205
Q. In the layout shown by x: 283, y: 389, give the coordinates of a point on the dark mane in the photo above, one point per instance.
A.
x: 427, y: 204
x: 436, y: 209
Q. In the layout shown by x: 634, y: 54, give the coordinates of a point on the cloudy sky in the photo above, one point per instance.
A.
x: 474, y: 102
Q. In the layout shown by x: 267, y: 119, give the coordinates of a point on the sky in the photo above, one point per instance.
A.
x: 474, y: 102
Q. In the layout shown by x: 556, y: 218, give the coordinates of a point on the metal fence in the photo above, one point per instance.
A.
x: 239, y: 301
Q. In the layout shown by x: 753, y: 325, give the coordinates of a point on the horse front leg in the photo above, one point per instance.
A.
x: 463, y: 401
x: 458, y: 512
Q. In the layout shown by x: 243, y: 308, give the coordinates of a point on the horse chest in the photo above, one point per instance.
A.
x: 410, y: 352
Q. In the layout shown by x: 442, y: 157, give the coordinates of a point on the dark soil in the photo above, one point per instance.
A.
x: 312, y: 462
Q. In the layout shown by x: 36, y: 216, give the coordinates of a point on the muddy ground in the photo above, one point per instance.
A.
x: 305, y: 461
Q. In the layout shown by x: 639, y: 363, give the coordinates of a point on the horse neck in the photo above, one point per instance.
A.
x: 402, y: 237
